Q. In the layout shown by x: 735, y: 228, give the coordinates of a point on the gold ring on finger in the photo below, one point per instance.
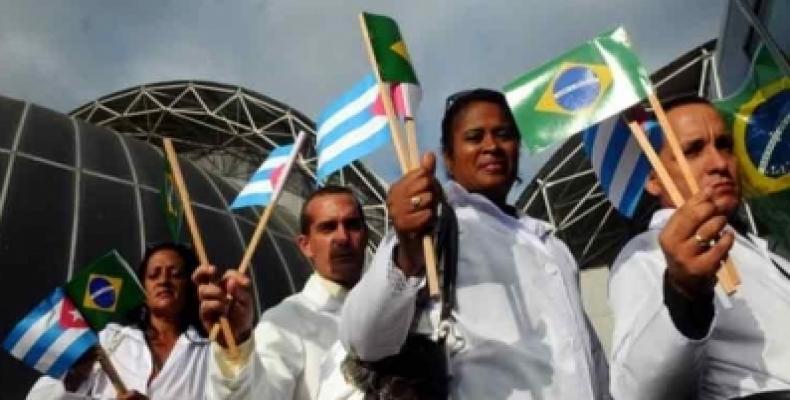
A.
x: 702, y: 242
x: 415, y: 202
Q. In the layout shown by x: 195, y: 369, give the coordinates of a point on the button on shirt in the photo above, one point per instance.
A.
x: 518, y: 310
x: 282, y: 360
x: 746, y: 350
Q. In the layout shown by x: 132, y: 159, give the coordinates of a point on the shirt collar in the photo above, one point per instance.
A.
x: 458, y: 196
x: 325, y: 294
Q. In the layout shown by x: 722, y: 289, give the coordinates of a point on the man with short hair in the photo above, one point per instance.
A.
x: 673, y: 339
x: 281, y: 358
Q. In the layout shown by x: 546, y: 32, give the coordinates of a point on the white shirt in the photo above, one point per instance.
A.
x: 518, y: 310
x: 289, y: 344
x: 183, y: 375
x: 746, y: 351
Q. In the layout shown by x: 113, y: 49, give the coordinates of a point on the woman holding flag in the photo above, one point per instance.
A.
x: 517, y: 329
x: 161, y: 354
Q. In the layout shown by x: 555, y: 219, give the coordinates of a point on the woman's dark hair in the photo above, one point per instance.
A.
x: 457, y: 102
x: 191, y: 311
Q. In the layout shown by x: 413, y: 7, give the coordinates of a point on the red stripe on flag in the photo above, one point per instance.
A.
x: 70, y: 317
x: 276, y: 176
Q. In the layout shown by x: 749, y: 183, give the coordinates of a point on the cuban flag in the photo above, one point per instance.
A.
x: 618, y: 161
x: 52, y: 337
x: 269, y: 178
x: 354, y: 126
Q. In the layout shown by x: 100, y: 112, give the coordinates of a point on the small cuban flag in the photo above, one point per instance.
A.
x: 618, y: 161
x: 352, y: 127
x: 52, y: 337
x: 269, y: 178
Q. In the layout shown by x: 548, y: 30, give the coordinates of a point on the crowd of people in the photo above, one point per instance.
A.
x: 509, y: 323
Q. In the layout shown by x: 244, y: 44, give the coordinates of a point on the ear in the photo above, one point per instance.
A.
x: 304, y: 246
x: 653, y: 186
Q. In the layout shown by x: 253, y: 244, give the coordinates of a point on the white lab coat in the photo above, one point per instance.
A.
x: 182, y: 377
x: 519, y: 310
x: 746, y: 351
x: 288, y: 346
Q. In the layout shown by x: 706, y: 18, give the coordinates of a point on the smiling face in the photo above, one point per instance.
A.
x: 708, y: 147
x: 336, y: 237
x: 166, y: 283
x: 485, y: 149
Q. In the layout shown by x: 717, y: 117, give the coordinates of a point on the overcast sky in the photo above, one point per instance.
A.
x: 64, y: 53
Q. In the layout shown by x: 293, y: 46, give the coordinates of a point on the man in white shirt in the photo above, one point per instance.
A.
x: 675, y: 336
x: 281, y: 358
x: 518, y: 330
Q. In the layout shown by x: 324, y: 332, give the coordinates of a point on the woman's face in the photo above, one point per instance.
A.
x: 484, y: 157
x: 166, y: 283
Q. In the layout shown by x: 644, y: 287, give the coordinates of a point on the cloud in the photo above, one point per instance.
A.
x: 306, y: 52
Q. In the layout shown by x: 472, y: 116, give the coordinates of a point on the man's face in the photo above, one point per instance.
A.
x: 708, y: 147
x: 485, y: 151
x: 336, y: 239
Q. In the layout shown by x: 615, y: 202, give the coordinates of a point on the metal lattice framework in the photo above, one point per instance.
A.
x: 229, y: 130
x: 567, y: 194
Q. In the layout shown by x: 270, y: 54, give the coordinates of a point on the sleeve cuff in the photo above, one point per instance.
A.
x: 692, y: 317
x: 400, y: 283
x: 231, y: 367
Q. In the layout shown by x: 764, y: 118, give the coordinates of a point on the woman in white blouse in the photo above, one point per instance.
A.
x: 162, y: 354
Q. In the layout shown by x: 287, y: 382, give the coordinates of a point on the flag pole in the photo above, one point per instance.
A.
x: 726, y: 280
x: 386, y: 98
x: 427, y: 240
x: 109, y: 369
x: 264, y: 220
x: 194, y: 231
x: 407, y: 161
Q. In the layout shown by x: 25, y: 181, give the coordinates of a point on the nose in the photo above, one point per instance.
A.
x: 717, y: 160
x: 489, y: 142
x: 342, y: 235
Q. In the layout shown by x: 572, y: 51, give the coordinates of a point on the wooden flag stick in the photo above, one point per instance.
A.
x: 385, y: 93
x: 263, y: 222
x: 194, y: 231
x: 109, y: 369
x: 726, y: 280
x: 427, y: 241
x: 407, y: 161
x: 674, y: 144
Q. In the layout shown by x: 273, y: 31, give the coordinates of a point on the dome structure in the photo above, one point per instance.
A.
x: 71, y: 190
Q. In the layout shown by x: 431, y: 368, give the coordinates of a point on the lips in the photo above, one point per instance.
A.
x: 494, y: 166
x: 165, y: 293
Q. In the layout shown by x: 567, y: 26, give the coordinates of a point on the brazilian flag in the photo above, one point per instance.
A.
x: 759, y: 116
x: 172, y: 210
x: 105, y: 291
x: 584, y: 86
x: 389, y: 49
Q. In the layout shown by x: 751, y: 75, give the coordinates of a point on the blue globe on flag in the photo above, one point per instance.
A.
x: 576, y: 88
x: 767, y: 136
x: 102, y: 292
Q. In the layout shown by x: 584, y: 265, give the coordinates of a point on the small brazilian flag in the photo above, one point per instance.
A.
x: 582, y: 87
x: 171, y: 205
x: 389, y: 49
x: 759, y: 116
x: 105, y: 291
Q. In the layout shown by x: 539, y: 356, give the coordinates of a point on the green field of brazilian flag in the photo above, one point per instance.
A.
x: 596, y: 80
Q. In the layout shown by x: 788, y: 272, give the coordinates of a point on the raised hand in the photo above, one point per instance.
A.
x: 214, y: 302
x: 411, y: 203
x: 695, y: 244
